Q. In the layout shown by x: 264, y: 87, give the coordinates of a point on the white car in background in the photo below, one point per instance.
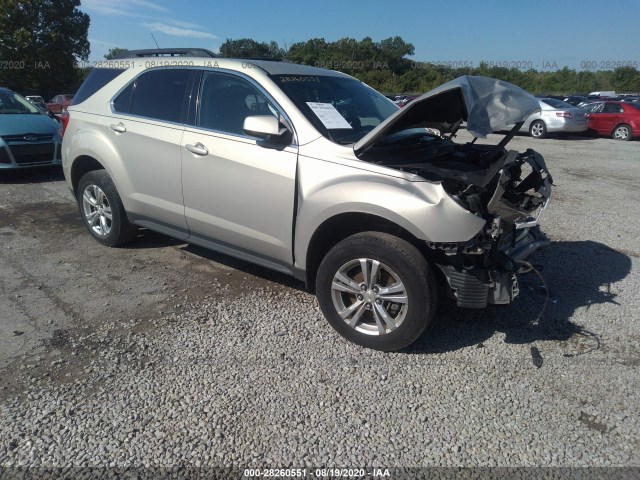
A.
x: 555, y: 116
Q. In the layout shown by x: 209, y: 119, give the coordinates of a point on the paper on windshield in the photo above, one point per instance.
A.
x: 328, y: 115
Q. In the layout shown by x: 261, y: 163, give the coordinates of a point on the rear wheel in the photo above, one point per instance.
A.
x: 622, y: 132
x: 376, y: 290
x: 538, y: 129
x: 102, y: 210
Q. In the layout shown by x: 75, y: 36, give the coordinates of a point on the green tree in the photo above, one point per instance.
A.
x: 309, y: 52
x: 114, y: 52
x: 357, y: 57
x: 44, y: 39
x: 248, y: 48
x: 626, y: 80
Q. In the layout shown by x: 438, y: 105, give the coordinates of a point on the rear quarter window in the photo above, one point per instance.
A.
x: 97, y: 79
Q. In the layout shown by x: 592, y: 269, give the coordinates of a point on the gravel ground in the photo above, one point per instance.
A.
x: 239, y: 368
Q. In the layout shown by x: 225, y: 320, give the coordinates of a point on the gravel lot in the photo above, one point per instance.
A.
x: 163, y: 354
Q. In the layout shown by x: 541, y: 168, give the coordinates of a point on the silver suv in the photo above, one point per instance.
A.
x: 311, y: 172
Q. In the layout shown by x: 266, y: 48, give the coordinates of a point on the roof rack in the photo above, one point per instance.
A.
x: 167, y: 52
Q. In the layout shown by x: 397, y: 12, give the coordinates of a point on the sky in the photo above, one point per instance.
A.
x: 545, y: 34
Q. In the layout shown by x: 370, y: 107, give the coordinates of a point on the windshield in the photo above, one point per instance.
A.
x: 343, y: 109
x: 12, y: 103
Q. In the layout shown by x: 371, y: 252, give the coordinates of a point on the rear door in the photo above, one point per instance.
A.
x: 146, y: 130
x: 607, y: 118
x: 238, y: 190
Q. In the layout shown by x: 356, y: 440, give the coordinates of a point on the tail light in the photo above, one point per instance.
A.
x: 64, y: 120
x: 564, y: 114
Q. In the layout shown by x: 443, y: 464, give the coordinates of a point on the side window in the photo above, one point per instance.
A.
x: 611, y: 108
x: 226, y: 100
x: 159, y: 94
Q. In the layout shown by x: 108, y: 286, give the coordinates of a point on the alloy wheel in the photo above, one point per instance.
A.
x: 97, y: 210
x: 369, y: 296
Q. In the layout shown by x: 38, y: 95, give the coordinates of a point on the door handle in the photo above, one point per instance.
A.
x: 197, y: 149
x: 118, y: 127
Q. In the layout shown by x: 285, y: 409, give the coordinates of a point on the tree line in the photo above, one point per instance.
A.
x: 384, y: 66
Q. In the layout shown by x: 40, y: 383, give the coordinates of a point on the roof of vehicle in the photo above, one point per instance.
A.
x: 290, y: 68
x: 182, y: 56
x: 271, y: 67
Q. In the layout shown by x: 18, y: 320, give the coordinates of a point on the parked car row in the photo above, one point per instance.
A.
x: 402, y: 100
x: 618, y: 119
x: 56, y: 106
x: 59, y: 103
x: 579, y: 99
x: 577, y: 114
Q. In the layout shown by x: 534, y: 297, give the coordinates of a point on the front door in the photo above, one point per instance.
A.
x: 237, y: 191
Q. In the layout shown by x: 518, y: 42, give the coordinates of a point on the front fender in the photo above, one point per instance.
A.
x: 422, y: 208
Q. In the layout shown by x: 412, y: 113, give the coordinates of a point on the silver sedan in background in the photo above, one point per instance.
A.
x: 555, y: 116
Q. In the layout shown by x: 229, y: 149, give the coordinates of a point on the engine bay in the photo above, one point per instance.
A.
x: 487, y: 180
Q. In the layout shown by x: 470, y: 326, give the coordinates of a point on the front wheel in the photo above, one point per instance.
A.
x: 622, y: 132
x: 102, y: 211
x: 376, y: 290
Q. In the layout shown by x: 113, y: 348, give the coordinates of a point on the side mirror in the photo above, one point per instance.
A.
x: 266, y: 127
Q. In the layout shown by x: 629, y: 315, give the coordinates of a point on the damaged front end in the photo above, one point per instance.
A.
x: 507, y: 189
x: 484, y: 270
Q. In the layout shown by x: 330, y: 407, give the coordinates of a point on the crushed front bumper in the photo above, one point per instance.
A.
x: 477, y: 286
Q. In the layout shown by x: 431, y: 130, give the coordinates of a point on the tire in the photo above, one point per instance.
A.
x: 395, y: 264
x: 98, y: 200
x: 622, y: 132
x: 538, y: 129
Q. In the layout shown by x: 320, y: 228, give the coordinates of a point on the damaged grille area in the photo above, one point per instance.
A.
x: 471, y: 292
x: 505, y: 188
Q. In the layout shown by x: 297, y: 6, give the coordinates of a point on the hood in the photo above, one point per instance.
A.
x: 19, y: 124
x: 486, y: 104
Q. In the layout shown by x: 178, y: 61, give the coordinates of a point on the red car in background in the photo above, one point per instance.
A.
x: 619, y: 120
x: 59, y: 103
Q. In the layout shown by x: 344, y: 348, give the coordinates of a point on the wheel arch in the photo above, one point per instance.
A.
x: 81, y: 166
x: 343, y: 225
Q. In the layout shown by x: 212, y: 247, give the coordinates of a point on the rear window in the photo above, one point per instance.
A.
x: 97, y: 79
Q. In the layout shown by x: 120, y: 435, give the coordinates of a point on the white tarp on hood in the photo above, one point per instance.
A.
x: 492, y: 104
x: 486, y: 104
